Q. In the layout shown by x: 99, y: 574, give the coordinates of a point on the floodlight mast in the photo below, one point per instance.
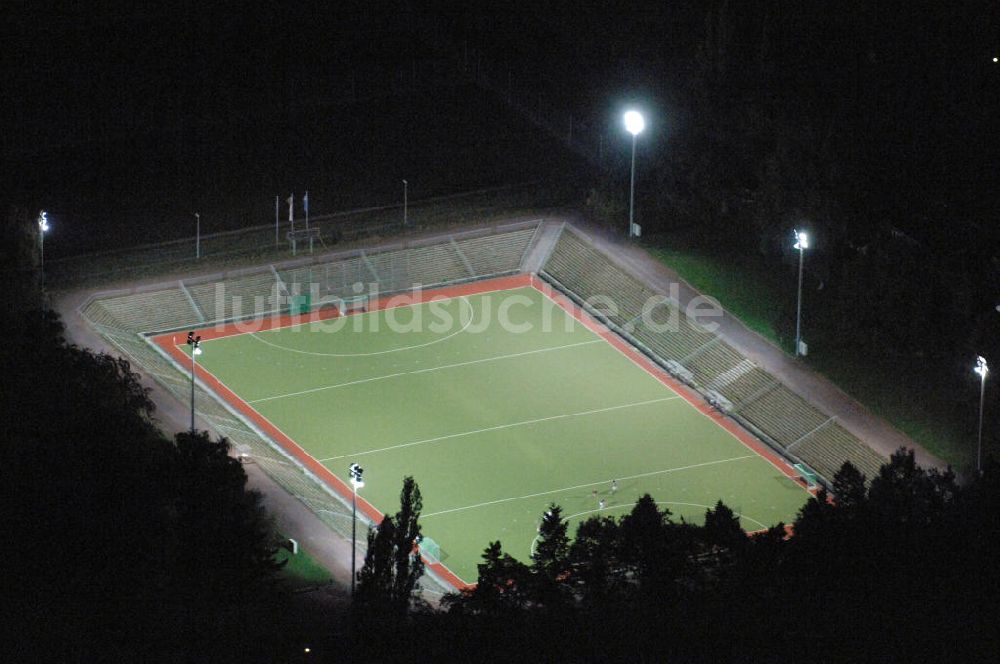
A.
x: 356, y: 472
x: 406, y: 186
x: 801, y: 243
x: 634, y: 124
x: 43, y: 226
x: 982, y: 369
x: 195, y: 343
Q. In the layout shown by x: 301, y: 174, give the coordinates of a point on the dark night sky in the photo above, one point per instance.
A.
x: 94, y: 85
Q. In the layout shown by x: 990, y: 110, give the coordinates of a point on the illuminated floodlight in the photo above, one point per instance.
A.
x: 981, y: 367
x: 356, y: 473
x: 197, y: 350
x: 801, y: 243
x: 982, y: 370
x: 43, y: 221
x: 801, y: 240
x: 634, y: 122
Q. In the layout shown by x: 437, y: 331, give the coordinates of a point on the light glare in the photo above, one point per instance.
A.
x: 981, y: 367
x: 634, y: 122
x: 802, y: 240
x: 43, y: 221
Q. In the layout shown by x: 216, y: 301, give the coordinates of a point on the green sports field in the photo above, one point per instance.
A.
x: 498, y: 404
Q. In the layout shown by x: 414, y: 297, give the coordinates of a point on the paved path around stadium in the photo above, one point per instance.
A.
x: 295, y: 520
x: 797, y: 375
x: 292, y: 518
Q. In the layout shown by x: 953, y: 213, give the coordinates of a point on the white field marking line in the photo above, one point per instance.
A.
x: 698, y: 410
x: 378, y: 352
x: 504, y: 357
x: 328, y: 387
x: 418, y: 371
x: 499, y: 427
x: 588, y: 485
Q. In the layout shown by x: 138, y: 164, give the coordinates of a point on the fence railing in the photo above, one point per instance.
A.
x: 125, y: 319
x: 257, y: 243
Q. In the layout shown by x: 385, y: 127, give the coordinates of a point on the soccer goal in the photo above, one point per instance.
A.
x: 430, y: 550
x: 350, y: 305
x: 807, y: 474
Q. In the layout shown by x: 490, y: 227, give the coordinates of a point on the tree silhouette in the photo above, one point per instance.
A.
x: 503, y: 585
x: 722, y: 528
x: 550, y: 562
x: 388, y: 579
x: 593, y: 556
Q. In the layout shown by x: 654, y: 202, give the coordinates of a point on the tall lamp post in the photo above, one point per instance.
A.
x: 197, y: 235
x: 43, y: 225
x: 982, y: 370
x: 356, y: 483
x: 634, y: 124
x: 801, y: 243
x: 195, y: 343
x: 406, y: 186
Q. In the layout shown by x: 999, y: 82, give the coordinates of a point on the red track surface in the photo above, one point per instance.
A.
x: 173, y: 345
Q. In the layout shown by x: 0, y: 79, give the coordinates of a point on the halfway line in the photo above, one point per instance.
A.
x: 500, y: 426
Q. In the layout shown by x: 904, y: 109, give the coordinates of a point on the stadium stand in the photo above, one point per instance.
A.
x: 783, y: 419
x: 124, y: 319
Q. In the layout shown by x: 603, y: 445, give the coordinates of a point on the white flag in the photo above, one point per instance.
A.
x: 291, y: 208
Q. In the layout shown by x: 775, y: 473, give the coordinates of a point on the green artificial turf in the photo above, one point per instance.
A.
x: 494, y: 423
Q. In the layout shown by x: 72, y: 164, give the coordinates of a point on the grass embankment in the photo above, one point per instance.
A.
x: 760, y: 296
x: 302, y: 571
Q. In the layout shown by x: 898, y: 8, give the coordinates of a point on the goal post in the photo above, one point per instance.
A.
x: 350, y: 305
x: 807, y: 474
x: 430, y: 550
x: 300, y: 304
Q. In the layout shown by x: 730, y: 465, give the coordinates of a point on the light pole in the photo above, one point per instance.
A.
x: 195, y: 343
x: 634, y: 124
x: 405, y: 193
x: 356, y: 483
x: 982, y: 370
x: 197, y: 235
x: 43, y: 225
x: 801, y: 243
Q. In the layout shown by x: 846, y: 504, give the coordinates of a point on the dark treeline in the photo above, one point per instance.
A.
x: 124, y: 545
x: 897, y: 569
x: 120, y: 544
